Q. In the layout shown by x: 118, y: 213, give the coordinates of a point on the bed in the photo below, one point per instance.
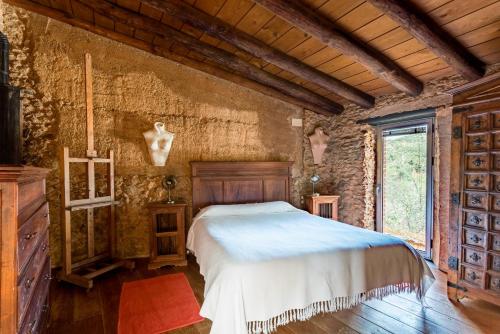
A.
x: 268, y: 263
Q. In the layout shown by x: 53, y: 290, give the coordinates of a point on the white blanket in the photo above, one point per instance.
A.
x: 268, y: 264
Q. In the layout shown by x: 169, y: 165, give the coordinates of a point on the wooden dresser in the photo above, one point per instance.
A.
x: 326, y: 206
x: 474, y: 232
x: 24, y: 250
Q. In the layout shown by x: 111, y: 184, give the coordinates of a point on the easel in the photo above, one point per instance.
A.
x: 83, y: 272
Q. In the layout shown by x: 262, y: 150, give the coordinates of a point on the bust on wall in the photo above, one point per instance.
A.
x: 159, y: 142
x: 319, y: 142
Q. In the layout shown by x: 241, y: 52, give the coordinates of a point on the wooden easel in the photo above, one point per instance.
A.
x: 83, y: 272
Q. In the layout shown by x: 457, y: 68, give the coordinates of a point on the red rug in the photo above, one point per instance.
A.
x: 157, y: 305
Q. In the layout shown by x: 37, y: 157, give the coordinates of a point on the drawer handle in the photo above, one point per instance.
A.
x: 475, y: 220
x: 476, y: 239
x: 477, y: 141
x: 475, y: 257
x: 29, y: 236
x: 475, y: 200
x: 47, y: 277
x: 31, y: 326
x: 473, y: 276
x: 29, y: 283
x: 477, y: 162
x: 476, y: 124
x: 477, y: 182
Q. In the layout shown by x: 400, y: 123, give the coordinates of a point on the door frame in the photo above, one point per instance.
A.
x: 429, y: 214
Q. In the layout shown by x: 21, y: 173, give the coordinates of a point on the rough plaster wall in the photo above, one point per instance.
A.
x: 211, y: 118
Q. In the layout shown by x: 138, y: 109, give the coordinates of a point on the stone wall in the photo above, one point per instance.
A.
x: 212, y: 119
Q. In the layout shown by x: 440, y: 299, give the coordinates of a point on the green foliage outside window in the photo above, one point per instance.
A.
x: 405, y: 187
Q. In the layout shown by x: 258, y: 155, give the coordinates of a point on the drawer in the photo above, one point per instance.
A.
x: 38, y: 304
x: 494, y: 242
x: 476, y: 200
x: 476, y: 219
x: 477, y: 122
x: 495, y: 223
x: 32, y: 274
x: 31, y: 195
x: 30, y: 234
x: 494, y: 262
x: 477, y: 142
x: 477, y: 162
x: 474, y: 238
x: 474, y: 257
x: 495, y: 161
x: 495, y: 202
x: 472, y: 276
x: 495, y: 140
x: 493, y: 283
x: 477, y: 181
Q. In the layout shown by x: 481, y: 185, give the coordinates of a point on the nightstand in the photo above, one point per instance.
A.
x: 168, y: 243
x: 326, y: 206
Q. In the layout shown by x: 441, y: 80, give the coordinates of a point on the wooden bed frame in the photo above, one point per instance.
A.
x: 222, y: 182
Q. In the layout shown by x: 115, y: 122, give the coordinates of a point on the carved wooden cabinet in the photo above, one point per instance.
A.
x: 24, y: 250
x: 326, y: 206
x: 474, y: 233
x: 168, y: 241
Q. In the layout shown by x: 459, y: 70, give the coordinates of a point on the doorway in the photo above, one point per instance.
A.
x: 404, y: 182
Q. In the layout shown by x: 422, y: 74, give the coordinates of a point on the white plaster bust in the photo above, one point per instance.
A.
x: 319, y: 142
x: 159, y: 142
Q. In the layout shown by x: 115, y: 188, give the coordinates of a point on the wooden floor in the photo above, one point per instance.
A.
x: 76, y: 311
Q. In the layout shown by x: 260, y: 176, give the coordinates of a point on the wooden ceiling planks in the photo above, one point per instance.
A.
x: 475, y: 24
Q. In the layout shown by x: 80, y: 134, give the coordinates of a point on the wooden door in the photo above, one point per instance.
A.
x: 474, y: 244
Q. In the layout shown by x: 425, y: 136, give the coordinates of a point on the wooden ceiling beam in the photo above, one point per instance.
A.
x: 420, y: 26
x: 222, y: 58
x: 319, y: 26
x: 158, y: 50
x: 223, y: 31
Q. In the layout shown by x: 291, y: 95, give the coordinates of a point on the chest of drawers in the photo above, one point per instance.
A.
x: 24, y: 250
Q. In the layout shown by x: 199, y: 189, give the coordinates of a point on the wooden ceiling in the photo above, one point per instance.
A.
x: 472, y: 26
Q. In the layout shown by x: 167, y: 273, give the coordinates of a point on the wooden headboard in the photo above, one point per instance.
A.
x: 221, y: 182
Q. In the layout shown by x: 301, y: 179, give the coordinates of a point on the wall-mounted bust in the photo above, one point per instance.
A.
x: 319, y: 142
x: 159, y: 142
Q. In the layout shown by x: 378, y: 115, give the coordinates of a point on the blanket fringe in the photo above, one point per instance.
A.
x: 334, y: 305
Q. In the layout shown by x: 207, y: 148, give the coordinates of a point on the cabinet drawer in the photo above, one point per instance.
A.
x: 30, y: 234
x: 30, y: 193
x: 493, y: 283
x: 476, y: 200
x: 474, y: 257
x: 477, y: 162
x: 477, y: 181
x: 476, y: 219
x: 472, y: 276
x: 495, y: 242
x: 477, y: 122
x: 494, y: 262
x: 33, y: 273
x: 477, y: 142
x: 474, y: 238
x: 38, y: 304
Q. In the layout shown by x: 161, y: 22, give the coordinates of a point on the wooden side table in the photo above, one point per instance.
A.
x: 326, y: 206
x: 168, y: 243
